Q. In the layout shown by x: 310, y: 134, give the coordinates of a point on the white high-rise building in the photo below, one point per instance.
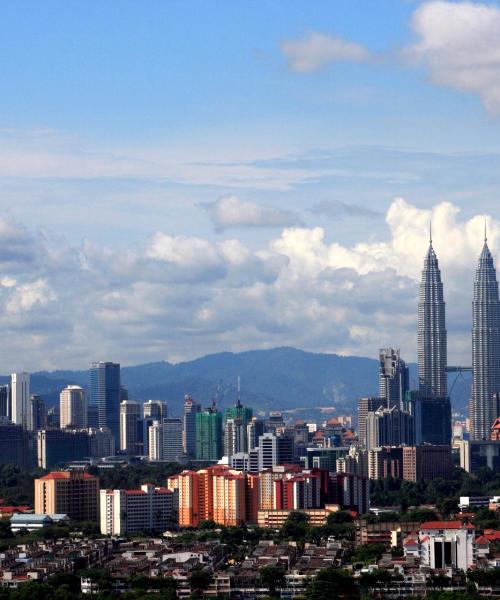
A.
x: 154, y: 409
x: 130, y: 414
x: 268, y: 451
x: 131, y: 511
x: 20, y: 395
x: 73, y: 408
x: 165, y: 440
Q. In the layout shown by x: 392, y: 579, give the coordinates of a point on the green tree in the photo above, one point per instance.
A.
x: 331, y: 583
x: 272, y: 577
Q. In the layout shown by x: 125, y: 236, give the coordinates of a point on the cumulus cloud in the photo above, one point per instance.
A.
x: 181, y: 297
x: 230, y: 211
x: 316, y: 50
x: 459, y: 45
x: 338, y: 210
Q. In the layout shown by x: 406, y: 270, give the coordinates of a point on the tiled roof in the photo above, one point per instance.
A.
x: 446, y: 525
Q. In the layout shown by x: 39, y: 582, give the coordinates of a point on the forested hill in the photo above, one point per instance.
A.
x: 277, y: 379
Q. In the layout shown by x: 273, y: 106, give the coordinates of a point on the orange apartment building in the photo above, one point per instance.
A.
x: 73, y: 493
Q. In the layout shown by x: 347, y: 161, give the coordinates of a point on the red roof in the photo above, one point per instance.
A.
x: 65, y: 475
x: 446, y: 525
x: 482, y: 540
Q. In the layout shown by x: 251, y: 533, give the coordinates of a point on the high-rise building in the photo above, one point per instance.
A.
x: 16, y: 446
x: 132, y: 511
x: 5, y: 401
x: 105, y: 393
x: 58, y: 447
x: 432, y: 341
x: 209, y: 434
x: 172, y: 440
x: 427, y: 462
x: 235, y: 436
x: 432, y: 419
x: 366, y: 405
x: 101, y: 443
x: 389, y: 427
x: 37, y: 413
x: 72, y: 493
x: 255, y: 428
x: 268, y: 451
x: 485, y: 346
x: 20, y: 393
x: 73, y: 408
x: 155, y: 409
x: 191, y: 409
x: 130, y: 415
x: 394, y: 379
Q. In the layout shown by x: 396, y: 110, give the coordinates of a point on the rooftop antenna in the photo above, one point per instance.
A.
x: 430, y: 232
x: 485, y: 232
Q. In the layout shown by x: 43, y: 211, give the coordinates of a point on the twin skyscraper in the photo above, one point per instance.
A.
x: 432, y: 341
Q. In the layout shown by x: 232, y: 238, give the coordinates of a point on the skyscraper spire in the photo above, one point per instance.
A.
x: 485, y: 345
x: 432, y: 341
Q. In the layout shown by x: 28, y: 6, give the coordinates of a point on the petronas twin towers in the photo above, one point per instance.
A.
x: 432, y: 340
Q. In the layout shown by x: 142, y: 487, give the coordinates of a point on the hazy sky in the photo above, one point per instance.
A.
x: 179, y: 178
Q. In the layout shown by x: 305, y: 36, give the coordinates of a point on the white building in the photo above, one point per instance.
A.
x: 73, y: 408
x: 130, y: 415
x: 165, y: 440
x: 131, y: 511
x: 443, y: 545
x: 268, y: 451
x: 20, y: 395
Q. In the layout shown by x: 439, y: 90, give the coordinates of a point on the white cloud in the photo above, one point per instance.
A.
x: 459, y: 44
x: 179, y: 296
x: 316, y: 50
x: 230, y: 211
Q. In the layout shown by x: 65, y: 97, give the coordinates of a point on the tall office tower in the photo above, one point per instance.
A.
x: 366, y: 405
x: 432, y: 345
x: 130, y: 414
x: 73, y: 408
x: 236, y: 419
x: 209, y: 434
x: 268, y: 451
x: 485, y: 346
x: 255, y: 428
x: 5, y: 401
x: 155, y: 441
x: 154, y: 409
x: 20, y: 393
x: 394, y: 378
x: 389, y: 427
x: 191, y: 409
x: 105, y: 394
x: 172, y: 440
x: 37, y: 413
x: 235, y: 436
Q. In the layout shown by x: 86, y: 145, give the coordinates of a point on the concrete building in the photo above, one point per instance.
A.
x: 427, y: 462
x: 388, y: 427
x: 366, y: 405
x: 73, y: 408
x: 191, y: 409
x: 385, y: 462
x: 130, y: 416
x: 16, y: 446
x: 394, y: 379
x: 148, y: 509
x: 268, y: 451
x: 5, y: 401
x: 446, y: 545
x: 154, y: 409
x: 477, y: 454
x: 101, y: 443
x: 255, y: 428
x: 172, y: 440
x: 73, y: 493
x: 20, y: 394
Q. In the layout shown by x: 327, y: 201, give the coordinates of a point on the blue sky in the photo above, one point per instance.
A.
x: 154, y: 151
